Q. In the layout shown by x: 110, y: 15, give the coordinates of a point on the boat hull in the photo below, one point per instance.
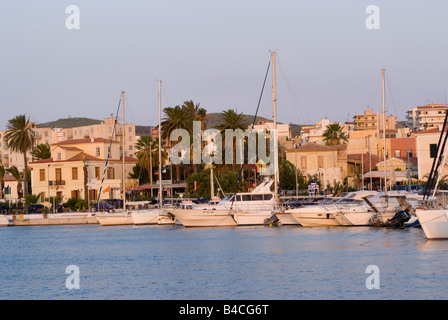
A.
x: 286, y: 219
x: 434, y: 223
x: 115, y: 220
x: 252, y: 218
x: 203, y: 217
x: 315, y: 216
x: 145, y: 217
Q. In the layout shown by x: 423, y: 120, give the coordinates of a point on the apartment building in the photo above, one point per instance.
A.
x: 425, y: 117
x: 374, y: 122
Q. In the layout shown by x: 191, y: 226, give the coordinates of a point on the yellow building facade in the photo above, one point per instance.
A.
x: 77, y: 168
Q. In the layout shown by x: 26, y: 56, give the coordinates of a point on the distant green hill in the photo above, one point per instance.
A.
x: 69, y: 123
x: 212, y: 121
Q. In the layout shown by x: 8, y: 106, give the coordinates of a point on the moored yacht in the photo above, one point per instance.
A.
x: 239, y: 209
x: 324, y: 214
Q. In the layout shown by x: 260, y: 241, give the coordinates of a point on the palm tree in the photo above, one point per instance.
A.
x: 176, y: 118
x: 145, y: 153
x: 16, y: 174
x: 2, y: 182
x: 231, y: 120
x: 41, y: 151
x: 20, y: 138
x: 333, y: 135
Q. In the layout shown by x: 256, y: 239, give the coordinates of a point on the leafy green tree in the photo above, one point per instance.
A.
x: 227, y: 181
x: 334, y: 135
x: 287, y: 176
x: 20, y: 138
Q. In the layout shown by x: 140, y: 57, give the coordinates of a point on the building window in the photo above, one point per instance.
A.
x: 303, y: 162
x: 110, y: 173
x: 58, y: 174
x: 397, y: 153
x: 74, y: 173
x: 320, y: 162
x: 433, y: 151
x: 97, y: 151
x: 59, y: 156
x: 97, y: 172
x: 42, y: 174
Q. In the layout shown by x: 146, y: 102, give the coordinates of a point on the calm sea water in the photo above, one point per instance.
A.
x: 173, y: 262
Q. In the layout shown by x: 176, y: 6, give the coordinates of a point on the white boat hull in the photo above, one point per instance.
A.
x: 115, y: 219
x: 354, y: 219
x: 251, y: 218
x: 286, y: 219
x: 203, y: 217
x: 313, y: 216
x: 434, y: 223
x: 145, y: 217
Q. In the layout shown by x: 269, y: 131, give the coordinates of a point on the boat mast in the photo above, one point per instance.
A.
x: 274, y: 105
x: 160, y: 147
x: 123, y: 151
x: 384, y: 135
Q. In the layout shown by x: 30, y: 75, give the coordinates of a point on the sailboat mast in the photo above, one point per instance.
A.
x: 384, y: 135
x: 160, y: 146
x: 274, y: 105
x: 123, y: 151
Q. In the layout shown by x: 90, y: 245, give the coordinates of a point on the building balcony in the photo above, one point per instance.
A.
x: 56, y: 182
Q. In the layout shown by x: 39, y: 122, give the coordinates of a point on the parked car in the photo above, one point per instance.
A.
x: 36, y: 208
x: 103, y: 206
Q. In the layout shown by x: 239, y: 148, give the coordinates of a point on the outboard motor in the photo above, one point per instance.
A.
x: 399, y: 219
x: 272, y: 221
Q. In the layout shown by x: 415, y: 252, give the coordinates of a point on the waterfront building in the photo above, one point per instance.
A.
x: 327, y: 163
x: 77, y: 167
x: 55, y: 135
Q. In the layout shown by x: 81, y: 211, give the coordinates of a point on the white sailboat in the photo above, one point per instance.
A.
x: 122, y: 217
x: 261, y: 215
x: 154, y: 216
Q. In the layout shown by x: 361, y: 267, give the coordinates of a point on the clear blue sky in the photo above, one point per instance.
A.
x: 216, y: 53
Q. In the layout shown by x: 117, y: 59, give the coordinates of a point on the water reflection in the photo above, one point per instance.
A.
x: 172, y: 262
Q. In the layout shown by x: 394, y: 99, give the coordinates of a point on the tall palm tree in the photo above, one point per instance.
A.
x: 334, y: 135
x: 2, y: 182
x: 145, y: 154
x: 20, y: 138
x: 176, y: 118
x: 231, y: 120
x: 41, y: 151
x: 16, y: 174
